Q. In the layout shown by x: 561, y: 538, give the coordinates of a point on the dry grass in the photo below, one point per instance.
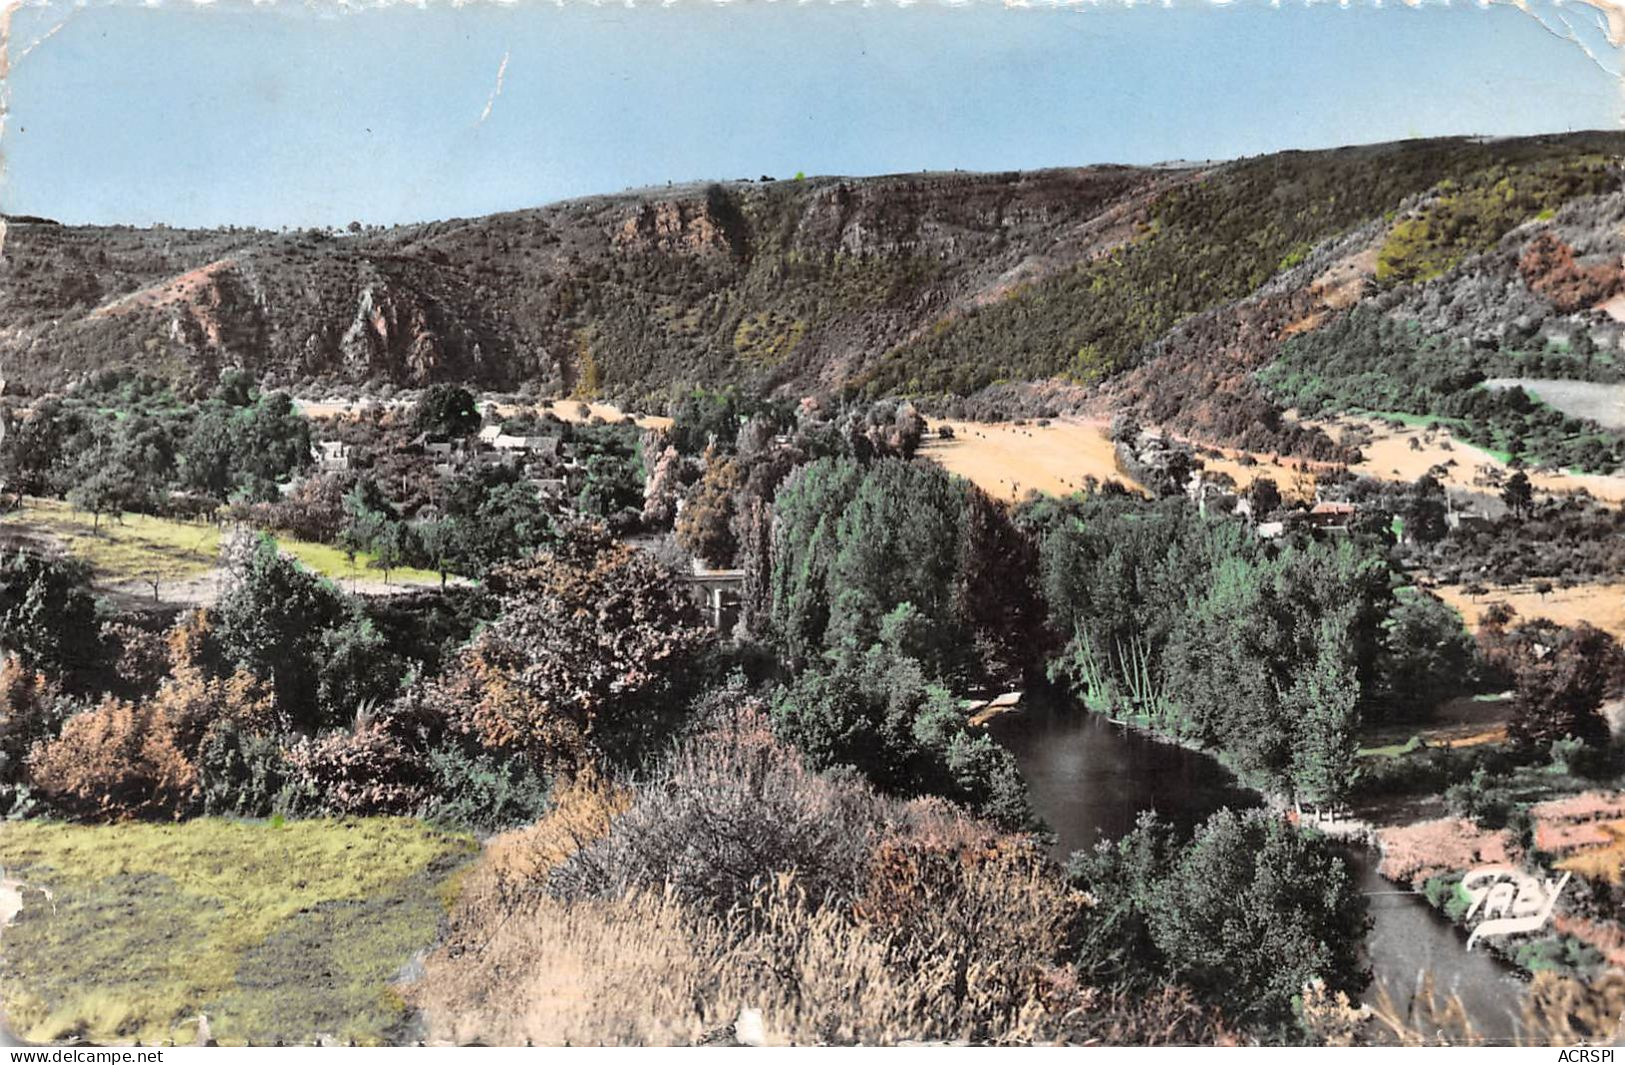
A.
x: 1601, y: 853
x: 1412, y: 853
x: 1390, y: 457
x: 1007, y: 461
x: 1558, y: 1011
x: 1602, y: 605
x: 946, y: 931
x: 646, y: 970
x: 1295, y: 484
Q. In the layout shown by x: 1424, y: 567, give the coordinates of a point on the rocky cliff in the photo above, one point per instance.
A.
x: 940, y: 284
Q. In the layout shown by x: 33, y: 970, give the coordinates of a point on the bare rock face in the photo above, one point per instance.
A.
x: 672, y: 228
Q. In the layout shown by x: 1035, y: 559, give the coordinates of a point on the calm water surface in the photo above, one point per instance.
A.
x: 1090, y: 780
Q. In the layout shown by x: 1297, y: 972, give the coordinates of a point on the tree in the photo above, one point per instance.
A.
x: 1246, y: 912
x: 1425, y: 511
x: 1266, y: 652
x: 909, y: 428
x: 273, y: 617
x: 852, y: 542
x: 437, y: 539
x: 663, y: 488
x: 246, y: 447
x: 877, y: 713
x: 610, y: 485
x: 446, y: 410
x: 357, y: 668
x: 1562, y: 677
x: 1264, y: 497
x: 705, y: 417
x: 105, y: 492
x: 1428, y: 657
x: 595, y: 648
x: 394, y: 546
x: 47, y: 614
x: 1325, y: 699
x: 1518, y: 495
x: 30, y: 712
x: 497, y: 516
x: 705, y: 524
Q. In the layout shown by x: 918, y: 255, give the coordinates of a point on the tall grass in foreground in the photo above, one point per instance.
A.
x: 1558, y: 1011
x: 925, y: 925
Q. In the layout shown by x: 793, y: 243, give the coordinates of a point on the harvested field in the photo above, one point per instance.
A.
x: 1296, y: 484
x: 1603, y: 605
x: 1006, y: 460
x: 1605, y: 861
x: 1590, y: 825
x: 1413, y: 853
x: 1390, y: 457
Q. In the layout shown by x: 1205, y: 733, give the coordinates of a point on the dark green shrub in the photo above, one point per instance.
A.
x: 483, y: 791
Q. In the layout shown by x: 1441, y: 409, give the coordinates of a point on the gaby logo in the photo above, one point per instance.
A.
x: 1508, y: 900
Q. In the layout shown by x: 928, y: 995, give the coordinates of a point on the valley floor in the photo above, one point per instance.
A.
x: 127, y: 555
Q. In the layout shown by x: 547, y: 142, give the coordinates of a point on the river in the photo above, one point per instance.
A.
x: 1089, y: 780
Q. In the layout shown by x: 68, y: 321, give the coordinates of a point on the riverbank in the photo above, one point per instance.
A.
x: 1091, y: 779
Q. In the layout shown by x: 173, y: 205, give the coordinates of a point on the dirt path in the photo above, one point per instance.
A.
x: 204, y: 589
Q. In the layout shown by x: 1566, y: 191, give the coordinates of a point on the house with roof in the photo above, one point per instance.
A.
x: 1329, y: 514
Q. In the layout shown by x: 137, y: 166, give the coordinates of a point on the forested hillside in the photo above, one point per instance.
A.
x: 1159, y: 290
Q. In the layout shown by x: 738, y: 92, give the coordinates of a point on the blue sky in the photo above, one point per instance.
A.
x: 284, y: 115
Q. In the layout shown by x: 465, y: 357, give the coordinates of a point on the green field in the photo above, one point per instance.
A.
x: 140, y: 547
x: 272, y: 931
x: 333, y: 563
x: 136, y: 548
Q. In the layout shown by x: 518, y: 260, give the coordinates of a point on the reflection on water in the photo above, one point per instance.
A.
x: 1409, y: 940
x: 1090, y: 779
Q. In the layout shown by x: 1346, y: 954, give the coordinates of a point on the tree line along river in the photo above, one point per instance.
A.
x: 1090, y: 780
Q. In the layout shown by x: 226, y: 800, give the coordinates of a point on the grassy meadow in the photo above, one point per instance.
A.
x: 271, y: 930
x: 140, y: 547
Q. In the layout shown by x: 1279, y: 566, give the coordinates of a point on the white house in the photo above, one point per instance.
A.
x: 331, y: 454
